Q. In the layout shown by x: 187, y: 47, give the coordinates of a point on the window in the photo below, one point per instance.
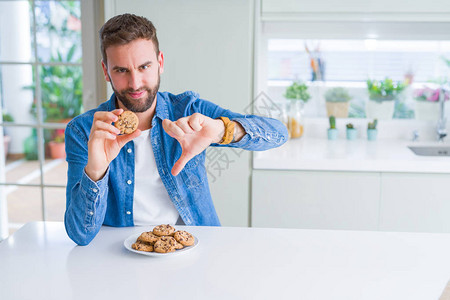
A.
x: 358, y: 60
x: 40, y: 91
x: 327, y: 55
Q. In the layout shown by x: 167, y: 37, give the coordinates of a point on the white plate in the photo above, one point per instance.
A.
x: 132, y: 239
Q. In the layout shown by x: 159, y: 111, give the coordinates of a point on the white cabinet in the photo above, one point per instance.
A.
x: 356, y: 10
x: 417, y: 202
x: 355, y: 6
x: 317, y: 200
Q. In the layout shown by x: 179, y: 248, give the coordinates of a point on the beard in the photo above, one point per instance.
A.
x: 137, y: 105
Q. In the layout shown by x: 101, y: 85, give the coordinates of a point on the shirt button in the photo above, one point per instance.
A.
x: 129, y: 150
x: 128, y: 212
x: 129, y: 181
x: 94, y: 190
x: 91, y: 213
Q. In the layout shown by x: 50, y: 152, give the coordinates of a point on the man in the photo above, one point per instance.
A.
x: 156, y: 174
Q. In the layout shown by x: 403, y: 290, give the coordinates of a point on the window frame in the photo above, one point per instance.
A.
x: 92, y: 14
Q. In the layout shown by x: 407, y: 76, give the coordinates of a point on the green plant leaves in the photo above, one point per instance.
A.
x: 298, y: 90
x: 384, y: 90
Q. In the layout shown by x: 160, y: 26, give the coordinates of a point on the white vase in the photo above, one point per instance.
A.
x: 380, y: 110
x: 427, y: 110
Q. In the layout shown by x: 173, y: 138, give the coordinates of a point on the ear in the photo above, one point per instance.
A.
x: 105, y: 71
x: 161, y: 62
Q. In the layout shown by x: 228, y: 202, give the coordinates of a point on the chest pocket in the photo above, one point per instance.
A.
x: 191, y: 173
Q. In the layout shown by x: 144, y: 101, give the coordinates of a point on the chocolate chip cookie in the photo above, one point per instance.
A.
x: 127, y: 123
x: 142, y: 246
x: 148, y: 237
x: 184, y: 238
x: 178, y: 246
x: 165, y: 244
x: 164, y: 230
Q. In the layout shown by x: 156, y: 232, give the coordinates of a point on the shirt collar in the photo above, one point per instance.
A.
x: 112, y: 102
x: 162, y: 110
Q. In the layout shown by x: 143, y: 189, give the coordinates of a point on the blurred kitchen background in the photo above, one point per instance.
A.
x: 361, y: 85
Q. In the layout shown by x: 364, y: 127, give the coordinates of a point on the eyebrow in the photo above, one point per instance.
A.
x: 117, y: 68
x: 146, y: 63
x: 142, y: 65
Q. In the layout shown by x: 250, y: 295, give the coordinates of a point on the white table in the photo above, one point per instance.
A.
x: 39, y: 261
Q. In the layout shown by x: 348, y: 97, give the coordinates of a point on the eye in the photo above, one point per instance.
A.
x: 121, y: 70
x: 145, y: 67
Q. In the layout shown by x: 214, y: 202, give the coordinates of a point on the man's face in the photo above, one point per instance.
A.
x: 134, y: 71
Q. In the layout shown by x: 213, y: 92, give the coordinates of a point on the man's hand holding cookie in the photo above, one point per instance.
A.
x: 105, y: 142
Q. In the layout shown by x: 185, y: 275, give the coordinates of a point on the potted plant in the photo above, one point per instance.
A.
x: 56, y: 145
x: 6, y: 138
x: 61, y: 89
x: 332, y: 131
x: 61, y: 93
x: 297, y: 91
x: 337, y: 102
x: 382, y: 96
x: 427, y: 103
x: 372, y: 130
x: 30, y: 145
x: 298, y: 95
x: 351, y: 132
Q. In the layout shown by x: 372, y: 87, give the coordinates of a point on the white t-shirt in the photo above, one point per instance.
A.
x: 151, y: 205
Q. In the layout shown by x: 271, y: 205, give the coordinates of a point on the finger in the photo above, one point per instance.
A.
x: 180, y: 163
x: 117, y: 111
x: 196, y: 122
x: 101, y: 125
x: 172, y: 129
x: 125, y: 138
x: 165, y: 124
x: 184, y: 125
x: 108, y: 116
x: 101, y: 135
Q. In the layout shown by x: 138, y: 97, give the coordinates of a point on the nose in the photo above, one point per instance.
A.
x: 135, y: 80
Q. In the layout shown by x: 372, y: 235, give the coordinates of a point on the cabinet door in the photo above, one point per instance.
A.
x: 353, y: 6
x: 415, y: 202
x: 317, y: 200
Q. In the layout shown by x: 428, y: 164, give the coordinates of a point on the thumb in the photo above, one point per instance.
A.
x: 180, y: 163
x: 123, y: 139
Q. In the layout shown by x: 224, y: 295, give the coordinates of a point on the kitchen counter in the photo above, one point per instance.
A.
x: 39, y: 261
x: 342, y: 155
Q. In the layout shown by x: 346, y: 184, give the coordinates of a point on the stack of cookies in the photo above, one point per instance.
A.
x: 163, y: 239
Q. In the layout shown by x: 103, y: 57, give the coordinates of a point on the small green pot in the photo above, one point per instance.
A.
x: 372, y: 134
x: 351, y: 134
x: 332, y: 134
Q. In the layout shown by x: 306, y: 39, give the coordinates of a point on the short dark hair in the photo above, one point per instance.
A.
x: 123, y: 29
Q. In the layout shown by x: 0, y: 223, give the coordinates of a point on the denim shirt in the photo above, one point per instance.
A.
x: 109, y: 201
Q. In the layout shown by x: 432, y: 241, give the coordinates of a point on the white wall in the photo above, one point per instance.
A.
x: 207, y: 47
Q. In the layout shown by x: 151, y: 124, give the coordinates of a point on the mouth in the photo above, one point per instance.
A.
x: 136, y: 95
